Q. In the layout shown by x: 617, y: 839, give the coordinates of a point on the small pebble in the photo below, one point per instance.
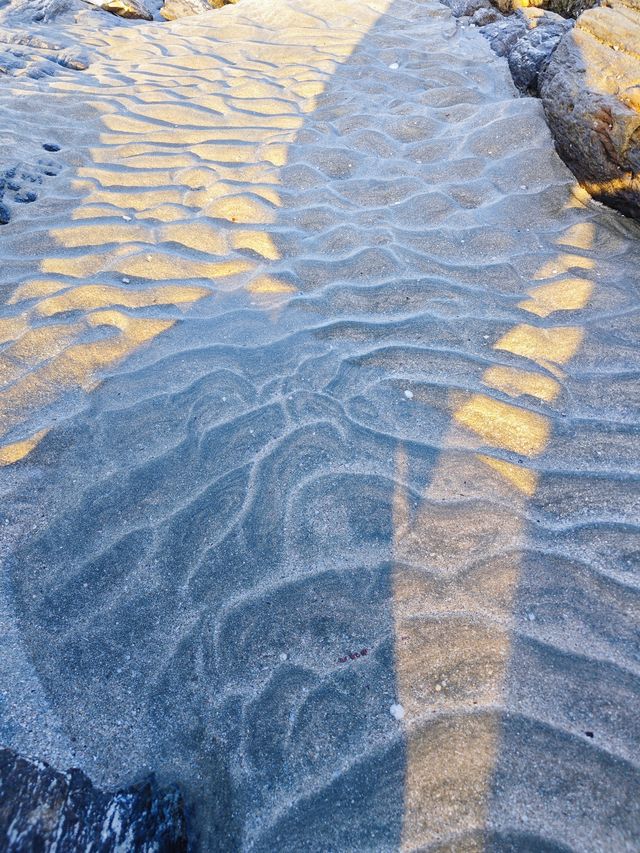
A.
x: 128, y: 218
x: 394, y: 66
x: 397, y: 712
x: 438, y: 688
x: 283, y: 656
x: 25, y: 196
x: 126, y: 280
x: 51, y: 146
x: 408, y: 394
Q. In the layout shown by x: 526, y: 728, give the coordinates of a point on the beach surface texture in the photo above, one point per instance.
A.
x: 319, y: 438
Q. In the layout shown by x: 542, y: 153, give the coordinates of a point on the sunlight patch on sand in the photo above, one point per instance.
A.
x: 196, y: 124
x: 453, y: 614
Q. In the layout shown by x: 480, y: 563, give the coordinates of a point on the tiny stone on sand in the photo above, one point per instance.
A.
x: 408, y: 394
x: 397, y: 712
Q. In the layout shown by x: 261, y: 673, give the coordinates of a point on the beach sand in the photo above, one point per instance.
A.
x: 319, y: 421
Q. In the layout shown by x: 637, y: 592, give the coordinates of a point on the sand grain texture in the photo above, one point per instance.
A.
x: 312, y: 347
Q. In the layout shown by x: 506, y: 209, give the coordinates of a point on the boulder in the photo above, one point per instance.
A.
x: 527, y: 39
x: 44, y: 809
x: 174, y: 9
x: 505, y: 33
x: 590, y: 89
x: 530, y: 52
x: 124, y: 8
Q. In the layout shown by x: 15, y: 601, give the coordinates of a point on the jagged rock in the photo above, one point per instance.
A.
x: 43, y: 809
x: 532, y: 50
x: 590, y: 90
x: 483, y: 17
x: 5, y: 216
x: 527, y: 38
x: 505, y: 33
x: 124, y: 8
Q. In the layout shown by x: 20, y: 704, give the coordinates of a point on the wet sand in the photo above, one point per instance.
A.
x: 320, y: 439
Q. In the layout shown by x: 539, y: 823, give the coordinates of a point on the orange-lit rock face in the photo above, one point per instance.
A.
x: 591, y: 96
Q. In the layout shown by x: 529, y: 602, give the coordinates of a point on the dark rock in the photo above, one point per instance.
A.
x: 5, y: 216
x: 43, y: 809
x: 530, y: 52
x: 482, y: 17
x: 505, y: 33
x: 50, y: 146
x: 527, y: 38
x: 589, y: 89
x: 25, y: 196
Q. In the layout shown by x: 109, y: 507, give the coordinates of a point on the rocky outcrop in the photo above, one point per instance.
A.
x: 527, y: 39
x: 590, y: 90
x: 124, y: 8
x: 588, y: 76
x: 565, y: 8
x: 43, y: 809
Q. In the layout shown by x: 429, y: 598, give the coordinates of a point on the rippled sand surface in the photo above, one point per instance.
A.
x: 319, y: 426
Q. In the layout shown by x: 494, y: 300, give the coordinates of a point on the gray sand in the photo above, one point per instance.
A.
x: 314, y: 348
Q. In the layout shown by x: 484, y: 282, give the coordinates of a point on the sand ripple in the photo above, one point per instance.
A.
x: 319, y: 396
